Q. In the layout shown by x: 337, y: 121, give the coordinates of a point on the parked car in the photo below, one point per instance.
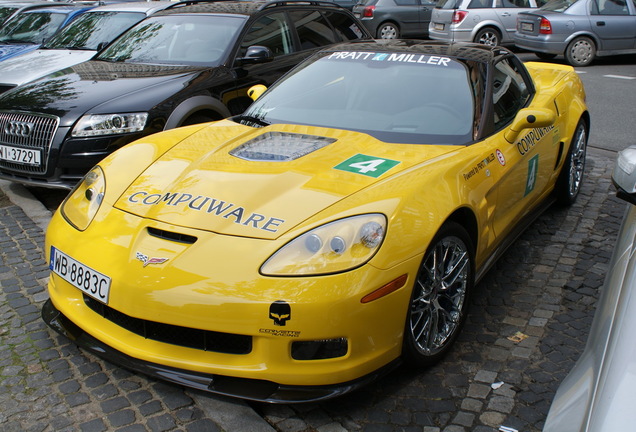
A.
x: 598, y: 393
x: 392, y: 19
x: 183, y: 65
x: 489, y: 22
x: 334, y: 229
x: 8, y: 9
x: 27, y: 30
x: 79, y: 41
x: 581, y: 30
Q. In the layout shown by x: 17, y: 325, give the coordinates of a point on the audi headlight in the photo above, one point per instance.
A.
x: 334, y: 247
x: 81, y: 206
x: 109, y: 124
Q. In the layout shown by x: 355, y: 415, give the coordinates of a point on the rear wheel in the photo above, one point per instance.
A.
x: 388, y: 30
x: 439, y: 301
x: 581, y: 51
x: 488, y: 36
x: 571, y: 177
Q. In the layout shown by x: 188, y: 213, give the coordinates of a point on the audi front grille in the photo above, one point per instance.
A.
x: 26, y: 131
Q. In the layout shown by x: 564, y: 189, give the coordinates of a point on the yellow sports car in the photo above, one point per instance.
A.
x: 337, y: 227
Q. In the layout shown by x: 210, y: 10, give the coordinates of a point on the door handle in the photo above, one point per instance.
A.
x: 600, y: 23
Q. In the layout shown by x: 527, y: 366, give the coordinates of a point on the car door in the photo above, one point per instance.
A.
x: 408, y: 14
x: 614, y: 24
x: 506, y: 11
x: 530, y: 160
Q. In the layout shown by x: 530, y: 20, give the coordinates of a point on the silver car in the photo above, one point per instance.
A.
x: 490, y: 22
x: 599, y: 394
x: 392, y: 19
x: 581, y: 30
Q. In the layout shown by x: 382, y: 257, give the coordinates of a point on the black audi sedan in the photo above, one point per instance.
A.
x: 191, y: 63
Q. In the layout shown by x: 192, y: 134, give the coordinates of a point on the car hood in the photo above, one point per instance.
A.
x: 36, y: 64
x: 99, y: 88
x: 226, y: 179
x: 8, y: 51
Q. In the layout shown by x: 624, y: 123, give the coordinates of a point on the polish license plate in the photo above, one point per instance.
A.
x: 439, y: 26
x: 91, y: 282
x: 21, y: 155
x: 527, y: 26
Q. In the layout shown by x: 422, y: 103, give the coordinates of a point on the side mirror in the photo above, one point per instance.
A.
x: 624, y: 175
x: 256, y: 54
x: 529, y: 118
x: 256, y: 91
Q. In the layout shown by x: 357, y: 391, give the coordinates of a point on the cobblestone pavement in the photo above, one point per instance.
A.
x: 528, y: 323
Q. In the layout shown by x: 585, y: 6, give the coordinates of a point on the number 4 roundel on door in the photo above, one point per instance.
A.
x: 367, y: 165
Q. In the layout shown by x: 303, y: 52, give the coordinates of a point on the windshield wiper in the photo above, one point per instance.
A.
x: 251, y: 121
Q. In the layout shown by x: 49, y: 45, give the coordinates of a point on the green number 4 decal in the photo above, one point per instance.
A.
x: 533, y: 169
x: 367, y: 165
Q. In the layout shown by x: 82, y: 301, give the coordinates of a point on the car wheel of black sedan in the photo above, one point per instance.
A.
x: 571, y: 177
x: 488, y: 36
x: 439, y: 301
x: 388, y: 30
x: 581, y: 51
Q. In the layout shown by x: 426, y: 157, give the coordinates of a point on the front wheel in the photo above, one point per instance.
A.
x: 439, y: 301
x: 388, y: 30
x: 580, y: 52
x: 571, y: 176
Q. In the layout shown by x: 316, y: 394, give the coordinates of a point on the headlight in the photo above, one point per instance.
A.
x: 334, y: 247
x: 81, y: 206
x: 109, y: 124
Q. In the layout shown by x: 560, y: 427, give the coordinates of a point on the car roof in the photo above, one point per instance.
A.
x: 460, y: 50
x: 134, y: 6
x: 238, y: 7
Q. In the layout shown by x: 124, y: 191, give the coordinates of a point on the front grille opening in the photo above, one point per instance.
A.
x: 172, y: 236
x: 205, y: 340
x: 319, y: 349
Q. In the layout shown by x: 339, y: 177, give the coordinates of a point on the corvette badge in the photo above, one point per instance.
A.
x: 144, y: 259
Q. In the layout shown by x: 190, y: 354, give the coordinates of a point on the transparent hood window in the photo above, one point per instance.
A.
x: 31, y: 28
x: 91, y: 29
x: 395, y: 97
x: 197, y: 40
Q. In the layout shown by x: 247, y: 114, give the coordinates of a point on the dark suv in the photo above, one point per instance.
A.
x: 190, y: 63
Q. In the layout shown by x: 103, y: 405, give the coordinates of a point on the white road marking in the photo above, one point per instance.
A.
x: 620, y: 77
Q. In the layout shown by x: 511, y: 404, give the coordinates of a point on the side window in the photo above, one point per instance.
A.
x: 271, y: 31
x: 479, y: 4
x: 313, y: 29
x: 610, y: 7
x: 513, y: 4
x: 346, y: 28
x: 510, y: 92
x: 407, y: 2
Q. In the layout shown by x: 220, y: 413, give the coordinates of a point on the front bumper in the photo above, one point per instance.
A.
x: 250, y: 389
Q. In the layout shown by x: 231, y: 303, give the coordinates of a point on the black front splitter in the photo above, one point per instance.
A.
x: 244, y: 388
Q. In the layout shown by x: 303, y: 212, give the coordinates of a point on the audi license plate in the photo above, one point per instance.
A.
x: 526, y: 26
x: 21, y: 155
x: 91, y: 282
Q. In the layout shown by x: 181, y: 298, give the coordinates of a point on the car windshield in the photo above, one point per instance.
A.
x: 5, y: 12
x: 395, y: 97
x: 92, y: 29
x: 31, y: 28
x: 171, y: 39
x: 558, y: 5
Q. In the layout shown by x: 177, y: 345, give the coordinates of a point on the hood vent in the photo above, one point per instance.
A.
x: 280, y: 147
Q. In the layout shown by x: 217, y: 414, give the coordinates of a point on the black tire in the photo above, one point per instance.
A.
x: 388, y: 30
x: 439, y: 301
x: 545, y: 56
x: 580, y: 52
x: 571, y: 177
x: 488, y: 36
x: 196, y: 119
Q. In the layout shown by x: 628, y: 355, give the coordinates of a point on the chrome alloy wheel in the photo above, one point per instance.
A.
x: 437, y: 305
x: 577, y: 160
